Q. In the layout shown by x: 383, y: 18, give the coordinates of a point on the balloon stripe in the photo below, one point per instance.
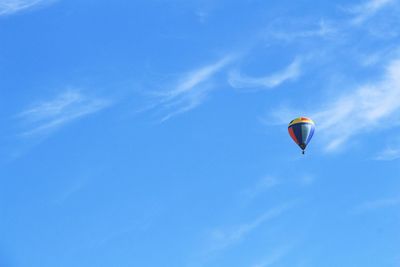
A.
x: 301, y: 120
x: 293, y: 135
x: 297, y: 132
x: 310, y: 135
x: 305, y: 132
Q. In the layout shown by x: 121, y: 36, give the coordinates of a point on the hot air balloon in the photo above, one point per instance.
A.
x: 301, y: 130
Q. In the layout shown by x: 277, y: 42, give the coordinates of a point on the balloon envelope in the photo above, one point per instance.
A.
x: 301, y: 130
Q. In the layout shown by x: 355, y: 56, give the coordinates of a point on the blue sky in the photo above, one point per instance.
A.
x: 154, y: 133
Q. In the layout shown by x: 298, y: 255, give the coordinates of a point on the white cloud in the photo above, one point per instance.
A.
x: 223, y: 238
x: 369, y: 107
x: 367, y: 60
x: 388, y: 154
x: 202, y: 16
x: 368, y: 9
x: 9, y: 7
x: 377, y: 204
x: 291, y: 33
x: 261, y: 186
x: 307, y: 180
x: 69, y: 192
x: 189, y: 92
x: 274, y: 257
x: 68, y: 106
x: 291, y: 72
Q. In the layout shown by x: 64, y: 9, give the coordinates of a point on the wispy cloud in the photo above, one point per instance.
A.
x: 363, y: 110
x: 291, y: 72
x: 52, y: 114
x: 368, y: 60
x: 377, y: 204
x: 288, y: 31
x: 389, y: 154
x: 202, y: 16
x: 75, y: 188
x: 261, y: 186
x: 190, y: 91
x: 275, y: 256
x: 368, y: 9
x: 307, y: 179
x: 9, y: 7
x: 224, y: 238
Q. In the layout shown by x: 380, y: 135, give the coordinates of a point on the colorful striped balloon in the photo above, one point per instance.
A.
x: 301, y: 130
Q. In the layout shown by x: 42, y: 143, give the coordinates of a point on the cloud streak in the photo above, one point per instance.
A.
x: 365, y: 109
x: 224, y: 238
x: 9, y: 7
x: 291, y: 72
x: 377, y: 204
x: 389, y: 154
x: 52, y: 114
x: 190, y: 92
x: 274, y: 257
x: 368, y: 9
x: 263, y: 185
x: 292, y: 33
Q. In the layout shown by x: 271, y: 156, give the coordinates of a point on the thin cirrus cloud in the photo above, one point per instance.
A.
x: 68, y: 106
x: 224, y: 238
x: 190, y: 92
x: 390, y: 153
x: 363, y: 110
x: 289, y: 31
x: 368, y: 9
x: 240, y: 81
x: 261, y: 186
x: 274, y: 257
x: 377, y: 205
x: 9, y: 7
x: 268, y: 183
